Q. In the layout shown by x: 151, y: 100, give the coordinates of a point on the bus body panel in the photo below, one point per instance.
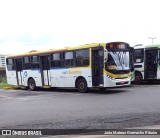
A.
x: 139, y: 67
x: 67, y: 77
x: 11, y: 77
x: 35, y: 74
x: 45, y: 72
x: 150, y: 66
x: 112, y: 82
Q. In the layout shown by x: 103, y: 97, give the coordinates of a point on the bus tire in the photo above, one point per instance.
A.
x: 31, y: 85
x: 138, y: 78
x: 82, y: 85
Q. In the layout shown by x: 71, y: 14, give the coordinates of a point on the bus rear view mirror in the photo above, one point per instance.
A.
x: 105, y: 55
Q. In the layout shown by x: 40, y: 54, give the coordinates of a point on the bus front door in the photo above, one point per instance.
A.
x: 19, y: 71
x: 97, y: 66
x: 151, y: 59
x: 45, y: 70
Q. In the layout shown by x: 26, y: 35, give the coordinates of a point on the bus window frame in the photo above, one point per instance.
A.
x: 52, y: 60
x: 70, y: 61
x: 37, y: 63
x: 142, y: 55
x: 83, y: 58
x: 29, y: 64
x: 13, y: 64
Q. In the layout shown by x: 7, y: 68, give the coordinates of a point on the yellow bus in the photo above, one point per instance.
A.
x: 96, y: 65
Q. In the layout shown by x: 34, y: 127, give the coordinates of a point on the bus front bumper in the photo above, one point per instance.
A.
x: 111, y: 82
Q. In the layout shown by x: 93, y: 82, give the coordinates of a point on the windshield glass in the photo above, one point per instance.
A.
x: 118, y: 60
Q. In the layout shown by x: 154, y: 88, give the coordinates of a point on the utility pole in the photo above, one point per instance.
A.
x: 152, y: 39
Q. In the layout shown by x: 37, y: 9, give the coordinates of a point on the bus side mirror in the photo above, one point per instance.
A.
x: 105, y: 55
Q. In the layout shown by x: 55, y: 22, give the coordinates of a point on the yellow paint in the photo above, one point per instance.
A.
x: 103, y: 44
x: 37, y: 53
x: 118, y: 76
x: 75, y: 72
x: 46, y: 86
x: 55, y: 50
x: 83, y: 46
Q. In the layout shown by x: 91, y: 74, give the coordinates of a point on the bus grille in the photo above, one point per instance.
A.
x: 122, y: 83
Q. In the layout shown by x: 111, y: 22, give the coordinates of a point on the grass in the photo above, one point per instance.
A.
x: 4, y: 85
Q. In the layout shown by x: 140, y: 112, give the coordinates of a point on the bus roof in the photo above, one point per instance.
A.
x: 53, y: 50
x: 34, y: 52
x: 150, y: 46
x: 147, y: 46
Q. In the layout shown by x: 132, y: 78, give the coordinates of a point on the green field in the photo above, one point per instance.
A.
x: 4, y: 85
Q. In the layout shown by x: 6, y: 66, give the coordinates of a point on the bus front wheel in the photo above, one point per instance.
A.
x: 138, y: 78
x: 32, y: 84
x: 82, y: 85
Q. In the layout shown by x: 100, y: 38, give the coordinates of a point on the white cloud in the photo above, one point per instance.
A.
x: 76, y: 22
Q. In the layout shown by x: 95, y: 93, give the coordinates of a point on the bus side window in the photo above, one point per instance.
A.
x: 35, y: 62
x: 68, y: 59
x: 110, y: 64
x: 138, y: 55
x: 82, y: 57
x: 56, y: 60
x: 10, y: 64
x: 26, y: 63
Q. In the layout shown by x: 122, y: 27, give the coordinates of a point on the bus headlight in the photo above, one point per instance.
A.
x: 110, y: 77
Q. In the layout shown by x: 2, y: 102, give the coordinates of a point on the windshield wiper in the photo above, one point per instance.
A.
x: 120, y: 58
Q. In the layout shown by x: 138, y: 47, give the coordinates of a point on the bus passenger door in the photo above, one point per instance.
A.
x: 97, y: 66
x: 151, y: 60
x: 45, y: 70
x: 19, y: 69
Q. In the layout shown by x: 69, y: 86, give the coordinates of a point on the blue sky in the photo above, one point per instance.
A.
x: 27, y: 25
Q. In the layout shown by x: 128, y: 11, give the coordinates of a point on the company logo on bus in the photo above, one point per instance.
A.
x: 72, y: 72
x: 25, y: 74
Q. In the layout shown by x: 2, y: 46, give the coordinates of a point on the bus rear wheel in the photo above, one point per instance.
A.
x: 138, y: 78
x: 31, y: 85
x: 82, y: 85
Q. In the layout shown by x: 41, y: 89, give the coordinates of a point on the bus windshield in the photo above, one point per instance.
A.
x: 118, y: 60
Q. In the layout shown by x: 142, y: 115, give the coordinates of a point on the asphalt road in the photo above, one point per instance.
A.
x: 126, y: 107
